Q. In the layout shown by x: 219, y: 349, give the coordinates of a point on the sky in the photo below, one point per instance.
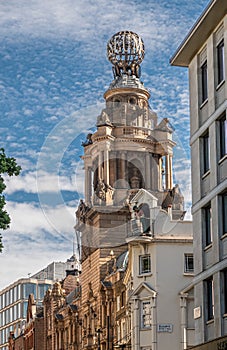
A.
x: 53, y: 74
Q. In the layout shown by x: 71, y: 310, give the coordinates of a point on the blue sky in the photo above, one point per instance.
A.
x: 53, y: 74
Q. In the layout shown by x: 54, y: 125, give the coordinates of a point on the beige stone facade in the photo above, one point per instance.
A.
x: 204, y: 52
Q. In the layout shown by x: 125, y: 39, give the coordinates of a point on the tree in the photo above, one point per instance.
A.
x: 8, y: 165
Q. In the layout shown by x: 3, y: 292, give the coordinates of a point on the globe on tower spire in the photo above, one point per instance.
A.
x: 125, y: 50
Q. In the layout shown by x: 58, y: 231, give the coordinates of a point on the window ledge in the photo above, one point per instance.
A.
x: 206, y: 174
x: 220, y: 84
x: 210, y: 321
x: 145, y: 328
x: 223, y: 237
x: 203, y: 103
x: 208, y: 247
x: 189, y: 274
x: 222, y: 159
x: 145, y: 274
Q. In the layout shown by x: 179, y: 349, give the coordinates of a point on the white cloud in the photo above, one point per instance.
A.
x: 32, y: 219
x: 18, y: 261
x: 37, y: 236
x: 43, y: 182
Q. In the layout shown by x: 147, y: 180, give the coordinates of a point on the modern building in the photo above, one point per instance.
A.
x: 204, y: 52
x: 131, y: 151
x: 14, y: 303
x: 42, y: 322
x: 54, y: 271
x: 14, y: 298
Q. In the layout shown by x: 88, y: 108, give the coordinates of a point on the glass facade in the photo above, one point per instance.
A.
x: 13, y: 306
x: 29, y: 288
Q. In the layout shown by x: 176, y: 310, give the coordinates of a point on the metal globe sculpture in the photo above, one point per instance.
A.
x: 125, y: 50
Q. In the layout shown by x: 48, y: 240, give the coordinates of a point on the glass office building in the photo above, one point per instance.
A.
x: 14, y: 299
x: 14, y: 302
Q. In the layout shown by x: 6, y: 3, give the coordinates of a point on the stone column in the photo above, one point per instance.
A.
x: 167, y: 172
x: 183, y: 305
x: 154, y: 172
x: 112, y: 168
x: 106, y: 167
x: 147, y: 172
x: 154, y: 321
x: 86, y: 185
x: 122, y: 168
x: 160, y: 182
x: 100, y: 165
x: 89, y: 180
x: 136, y: 325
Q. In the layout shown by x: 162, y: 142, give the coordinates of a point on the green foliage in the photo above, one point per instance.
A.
x: 8, y: 165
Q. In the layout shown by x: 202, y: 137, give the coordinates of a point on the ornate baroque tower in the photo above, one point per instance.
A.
x: 129, y: 151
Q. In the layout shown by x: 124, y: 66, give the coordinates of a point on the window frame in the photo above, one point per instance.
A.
x: 220, y: 62
x: 187, y: 269
x: 210, y: 299
x: 224, y: 273
x: 207, y: 224
x: 142, y: 261
x: 223, y: 135
x: 146, y: 324
x: 204, y: 82
x: 205, y: 153
x: 223, y: 211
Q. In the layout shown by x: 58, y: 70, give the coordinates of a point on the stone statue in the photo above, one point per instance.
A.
x: 103, y: 119
x: 100, y: 189
x: 88, y: 140
x: 103, y: 191
x: 81, y: 211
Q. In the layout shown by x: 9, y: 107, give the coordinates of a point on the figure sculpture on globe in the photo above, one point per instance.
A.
x: 125, y: 50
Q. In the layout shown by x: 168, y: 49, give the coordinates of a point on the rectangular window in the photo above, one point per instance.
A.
x: 19, y: 291
x: 188, y: 263
x: 221, y: 61
x: 207, y: 225
x: 225, y: 290
x: 145, y: 264
x: 146, y: 314
x: 223, y: 136
x: 15, y: 294
x: 204, y: 82
x: 210, y: 299
x: 123, y: 298
x: 224, y: 213
x: 7, y: 298
x: 205, y: 153
x: 25, y: 306
x: 29, y: 288
x: 118, y: 302
x: 42, y: 288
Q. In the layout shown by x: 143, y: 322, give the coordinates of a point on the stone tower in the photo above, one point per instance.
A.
x: 130, y: 150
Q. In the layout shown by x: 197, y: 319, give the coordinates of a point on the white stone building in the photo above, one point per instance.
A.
x: 160, y: 267
x: 204, y: 52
